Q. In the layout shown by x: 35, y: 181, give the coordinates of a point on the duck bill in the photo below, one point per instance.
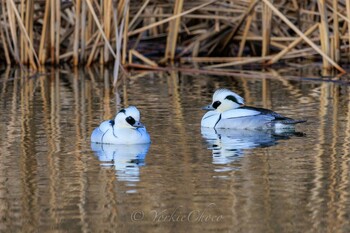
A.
x: 138, y: 125
x: 208, y: 107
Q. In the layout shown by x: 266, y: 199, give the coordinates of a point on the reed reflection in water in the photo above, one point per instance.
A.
x: 52, y: 180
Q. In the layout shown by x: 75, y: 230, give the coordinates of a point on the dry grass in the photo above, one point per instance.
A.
x: 210, y: 34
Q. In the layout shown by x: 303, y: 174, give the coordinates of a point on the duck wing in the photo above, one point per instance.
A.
x: 239, y: 113
x: 106, y: 125
x: 265, y: 111
x: 278, y: 117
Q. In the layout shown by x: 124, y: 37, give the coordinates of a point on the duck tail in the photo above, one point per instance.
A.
x: 287, y: 123
x: 292, y: 121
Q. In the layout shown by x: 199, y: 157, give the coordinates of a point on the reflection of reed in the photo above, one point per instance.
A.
x: 266, y: 93
x: 179, y: 126
x: 329, y: 193
x: 41, y: 118
x: 316, y: 201
x: 27, y: 160
x: 59, y: 183
x: 344, y: 170
x: 11, y: 136
x: 106, y: 100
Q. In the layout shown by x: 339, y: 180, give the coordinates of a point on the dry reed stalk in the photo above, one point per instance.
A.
x: 107, y: 10
x: 343, y: 17
x: 306, y: 39
x: 151, y: 12
x: 83, y: 34
x: 100, y: 27
x: 210, y: 59
x: 12, y: 26
x: 322, y: 39
x: 332, y: 48
x: 245, y: 33
x: 278, y: 45
x: 6, y: 30
x: 283, y: 40
x: 118, y: 44
x: 29, y: 28
x: 122, y: 31
x: 173, y: 32
x: 44, y: 33
x: 169, y: 19
x: 163, y: 27
x: 20, y: 22
x: 22, y: 46
x: 52, y: 30
x: 91, y: 39
x: 93, y: 50
x: 324, y: 35
x: 4, y: 44
x: 348, y: 17
x: 266, y: 29
x: 336, y: 44
x: 195, y: 50
x: 142, y: 58
x: 242, y: 18
x: 242, y: 61
x: 125, y: 31
x: 76, y: 33
x: 58, y: 30
x: 136, y: 16
x: 295, y: 4
x: 217, y: 23
x: 72, y: 27
x: 197, y: 40
x: 292, y: 45
x: 90, y: 26
x: 252, y: 60
x: 216, y: 18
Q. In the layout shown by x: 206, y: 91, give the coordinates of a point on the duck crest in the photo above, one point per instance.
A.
x: 232, y: 98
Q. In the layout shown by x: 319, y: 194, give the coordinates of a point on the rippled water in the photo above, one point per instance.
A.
x: 188, y: 180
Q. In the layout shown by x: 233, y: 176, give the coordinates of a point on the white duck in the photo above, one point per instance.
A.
x: 228, y: 111
x: 126, y: 128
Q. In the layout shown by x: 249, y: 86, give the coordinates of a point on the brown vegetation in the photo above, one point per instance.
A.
x: 213, y: 34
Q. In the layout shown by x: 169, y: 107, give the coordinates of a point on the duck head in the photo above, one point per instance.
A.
x: 128, y: 118
x: 223, y: 100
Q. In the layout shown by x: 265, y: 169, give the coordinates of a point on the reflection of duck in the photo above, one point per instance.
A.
x: 126, y: 159
x: 227, y: 111
x: 228, y: 145
x: 126, y: 128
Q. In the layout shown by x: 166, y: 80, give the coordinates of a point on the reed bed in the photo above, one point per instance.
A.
x: 217, y: 34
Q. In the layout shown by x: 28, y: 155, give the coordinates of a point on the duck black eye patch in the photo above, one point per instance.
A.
x: 130, y: 120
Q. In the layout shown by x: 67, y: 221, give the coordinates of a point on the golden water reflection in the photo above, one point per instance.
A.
x: 52, y: 180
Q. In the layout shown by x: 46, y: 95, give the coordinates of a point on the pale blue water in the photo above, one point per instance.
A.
x: 187, y: 180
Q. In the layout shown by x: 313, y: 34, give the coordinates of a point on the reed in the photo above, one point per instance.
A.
x: 217, y: 33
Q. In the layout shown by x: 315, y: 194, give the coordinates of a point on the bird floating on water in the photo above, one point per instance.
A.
x: 126, y: 128
x: 228, y: 111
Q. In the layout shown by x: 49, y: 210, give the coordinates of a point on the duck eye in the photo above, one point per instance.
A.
x: 216, y: 104
x: 130, y: 120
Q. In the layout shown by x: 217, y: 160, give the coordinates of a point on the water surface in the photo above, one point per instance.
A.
x: 188, y: 180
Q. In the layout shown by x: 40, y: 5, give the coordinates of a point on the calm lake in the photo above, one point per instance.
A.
x: 52, y: 179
